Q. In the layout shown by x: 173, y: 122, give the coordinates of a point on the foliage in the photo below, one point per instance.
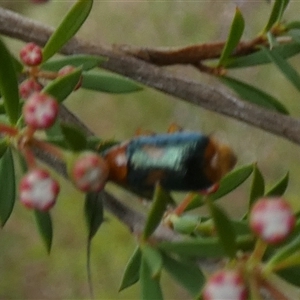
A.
x: 216, y: 235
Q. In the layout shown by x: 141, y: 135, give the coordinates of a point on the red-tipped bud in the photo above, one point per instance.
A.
x: 31, y: 54
x: 69, y: 69
x: 38, y: 190
x: 272, y: 219
x: 225, y: 285
x: 89, y: 172
x: 28, y: 87
x: 40, y: 111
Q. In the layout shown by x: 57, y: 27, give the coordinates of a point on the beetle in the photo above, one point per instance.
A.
x: 180, y: 161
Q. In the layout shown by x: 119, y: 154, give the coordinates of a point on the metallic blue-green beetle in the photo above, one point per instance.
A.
x: 182, y: 161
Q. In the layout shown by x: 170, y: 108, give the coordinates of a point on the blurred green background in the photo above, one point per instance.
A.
x: 26, y: 271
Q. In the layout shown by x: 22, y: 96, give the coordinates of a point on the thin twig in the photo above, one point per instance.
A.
x: 191, y: 54
x: 211, y: 98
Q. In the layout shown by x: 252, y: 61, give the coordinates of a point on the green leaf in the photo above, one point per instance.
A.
x: 74, y: 137
x: 160, y: 201
x: 86, y: 62
x: 61, y: 87
x: 280, y: 187
x: 150, y: 287
x: 235, y: 34
x: 186, y: 274
x: 9, y: 85
x: 7, y: 186
x: 259, y: 57
x: 272, y: 40
x: 253, y: 95
x: 196, y: 201
x: 290, y: 73
x: 209, y: 247
x: 54, y: 130
x: 68, y: 27
x: 132, y: 270
x: 18, y: 66
x: 293, y: 25
x: 257, y: 187
x: 153, y: 259
x: 44, y: 223
x: 232, y: 180
x: 276, y: 13
x: 285, y: 252
x: 102, y: 81
x: 225, y: 230
x: 3, y: 146
x: 93, y: 208
x: 2, y: 108
x: 291, y: 275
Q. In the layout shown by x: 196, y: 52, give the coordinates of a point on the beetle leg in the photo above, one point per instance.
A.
x: 174, y: 128
x: 190, y: 196
x: 181, y: 207
x: 212, y: 189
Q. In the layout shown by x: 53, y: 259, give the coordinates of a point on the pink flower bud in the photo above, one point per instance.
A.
x: 69, y: 69
x: 225, y: 285
x: 31, y: 54
x: 28, y: 87
x: 38, y: 190
x: 40, y: 111
x: 272, y: 219
x: 89, y: 172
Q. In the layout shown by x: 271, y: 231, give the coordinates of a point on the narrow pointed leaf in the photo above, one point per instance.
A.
x: 86, y: 62
x: 285, y: 252
x: 232, y: 180
x: 187, y: 275
x: 235, y: 34
x: 74, y: 137
x: 253, y: 95
x: 68, y: 27
x: 132, y: 270
x: 7, y: 186
x: 3, y: 146
x: 158, y: 208
x: 197, y: 201
x: 225, y: 230
x: 276, y: 13
x: 9, y: 85
x: 153, y: 259
x: 63, y: 86
x: 259, y: 57
x: 44, y: 223
x: 272, y: 40
x: 293, y: 25
x: 18, y: 66
x: 150, y: 287
x: 2, y: 108
x: 205, y: 247
x: 102, y: 81
x: 55, y: 130
x: 290, y: 73
x: 257, y: 187
x: 93, y: 208
x: 280, y: 187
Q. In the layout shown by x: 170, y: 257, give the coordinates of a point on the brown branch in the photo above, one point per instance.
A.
x: 189, y: 55
x: 211, y: 98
